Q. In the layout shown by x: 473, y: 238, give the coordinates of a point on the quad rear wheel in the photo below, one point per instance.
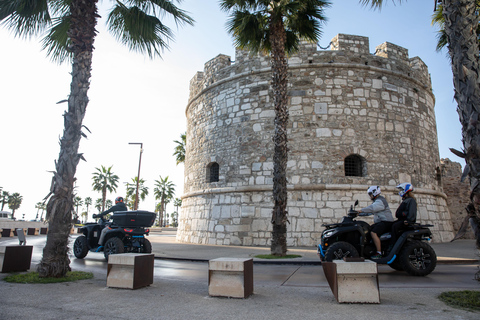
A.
x: 418, y: 258
x: 146, y: 246
x: 80, y: 247
x: 113, y: 246
x: 340, y: 250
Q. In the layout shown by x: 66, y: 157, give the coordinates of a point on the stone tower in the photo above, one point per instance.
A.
x: 356, y: 119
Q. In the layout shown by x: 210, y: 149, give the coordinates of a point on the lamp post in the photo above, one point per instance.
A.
x: 135, y: 206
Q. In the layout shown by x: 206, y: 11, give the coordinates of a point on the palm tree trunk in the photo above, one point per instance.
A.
x: 461, y: 22
x: 280, y: 156
x: 55, y: 261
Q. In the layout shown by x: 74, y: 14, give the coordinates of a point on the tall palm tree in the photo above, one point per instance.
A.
x: 88, y: 202
x: 461, y: 22
x: 164, y: 191
x: 131, y: 191
x: 77, y: 201
x: 70, y: 34
x: 14, y: 202
x: 4, y: 198
x: 104, y: 180
x: 276, y: 27
x: 180, y: 148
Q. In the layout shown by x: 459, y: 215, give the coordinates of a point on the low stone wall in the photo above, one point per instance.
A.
x: 4, y: 224
x: 242, y: 215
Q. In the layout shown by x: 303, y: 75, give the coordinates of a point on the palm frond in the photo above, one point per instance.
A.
x: 25, y: 18
x: 160, y: 8
x: 138, y: 30
x: 57, y: 42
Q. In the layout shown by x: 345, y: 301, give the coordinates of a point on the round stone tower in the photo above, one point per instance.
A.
x: 356, y: 119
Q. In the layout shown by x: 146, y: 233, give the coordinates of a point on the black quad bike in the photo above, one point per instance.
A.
x: 351, y: 238
x: 126, y: 233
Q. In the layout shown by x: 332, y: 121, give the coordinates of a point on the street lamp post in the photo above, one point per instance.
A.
x: 135, y: 206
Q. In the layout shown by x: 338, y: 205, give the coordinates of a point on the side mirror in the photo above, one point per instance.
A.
x: 356, y: 203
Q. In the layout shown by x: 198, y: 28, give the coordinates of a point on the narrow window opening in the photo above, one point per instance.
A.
x: 355, y: 166
x: 213, y: 171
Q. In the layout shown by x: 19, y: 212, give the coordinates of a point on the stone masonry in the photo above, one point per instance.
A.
x: 344, y: 103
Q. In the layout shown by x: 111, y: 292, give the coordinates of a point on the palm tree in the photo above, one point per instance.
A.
x: 164, y: 191
x: 131, y: 191
x: 99, y: 204
x: 38, y: 206
x: 461, y: 22
x: 276, y: 27
x: 180, y: 148
x: 77, y: 201
x: 104, y: 180
x: 4, y: 198
x: 70, y: 26
x: 14, y: 202
x: 88, y: 202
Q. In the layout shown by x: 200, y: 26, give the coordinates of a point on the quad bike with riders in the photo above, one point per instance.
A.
x: 126, y: 233
x: 351, y: 238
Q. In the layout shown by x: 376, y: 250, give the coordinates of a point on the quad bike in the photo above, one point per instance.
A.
x: 126, y: 233
x: 351, y: 238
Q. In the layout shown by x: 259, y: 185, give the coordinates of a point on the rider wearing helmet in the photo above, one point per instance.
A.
x: 119, y: 206
x: 406, y: 212
x: 382, y: 217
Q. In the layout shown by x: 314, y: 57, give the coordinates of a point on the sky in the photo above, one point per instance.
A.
x: 136, y: 99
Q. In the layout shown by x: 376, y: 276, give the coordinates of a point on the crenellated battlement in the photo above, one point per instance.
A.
x: 345, y: 50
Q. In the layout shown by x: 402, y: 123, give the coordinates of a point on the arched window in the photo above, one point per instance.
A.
x: 355, y: 166
x: 213, y: 172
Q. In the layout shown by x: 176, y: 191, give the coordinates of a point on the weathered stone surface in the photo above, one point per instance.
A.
x: 342, y: 102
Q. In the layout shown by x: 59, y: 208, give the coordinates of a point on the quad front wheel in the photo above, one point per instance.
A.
x: 80, y: 247
x: 418, y: 258
x: 113, y: 246
x: 340, y: 250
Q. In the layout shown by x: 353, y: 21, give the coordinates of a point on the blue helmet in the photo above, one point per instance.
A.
x: 404, y: 188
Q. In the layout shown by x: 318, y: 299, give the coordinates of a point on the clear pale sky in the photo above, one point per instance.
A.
x: 134, y: 99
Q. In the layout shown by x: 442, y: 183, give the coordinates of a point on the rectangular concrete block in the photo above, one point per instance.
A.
x: 353, y: 282
x: 7, y: 232
x: 33, y: 231
x: 130, y: 270
x: 15, y: 258
x: 230, y: 277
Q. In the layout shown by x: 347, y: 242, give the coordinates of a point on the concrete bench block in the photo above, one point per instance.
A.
x: 15, y: 258
x: 353, y: 282
x: 33, y: 231
x: 230, y: 277
x: 7, y: 232
x: 130, y: 270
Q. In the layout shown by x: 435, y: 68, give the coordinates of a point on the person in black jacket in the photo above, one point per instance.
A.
x: 406, y: 213
x: 119, y: 206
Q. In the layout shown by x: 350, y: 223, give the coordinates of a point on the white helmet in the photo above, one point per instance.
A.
x: 404, y: 188
x: 374, y: 191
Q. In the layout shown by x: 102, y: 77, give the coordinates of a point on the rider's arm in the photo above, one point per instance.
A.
x: 376, y: 206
